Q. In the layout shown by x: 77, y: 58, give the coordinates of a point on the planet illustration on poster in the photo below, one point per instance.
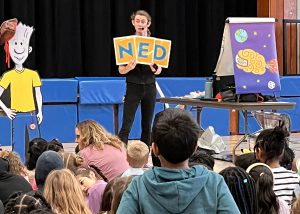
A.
x: 271, y: 85
x: 241, y: 35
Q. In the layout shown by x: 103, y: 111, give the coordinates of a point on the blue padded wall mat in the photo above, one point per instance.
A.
x: 102, y: 113
x: 180, y: 86
x: 290, y: 86
x: 59, y: 122
x: 293, y: 113
x: 59, y: 90
x: 106, y: 90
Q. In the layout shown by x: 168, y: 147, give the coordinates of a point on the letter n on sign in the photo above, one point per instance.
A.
x: 124, y: 49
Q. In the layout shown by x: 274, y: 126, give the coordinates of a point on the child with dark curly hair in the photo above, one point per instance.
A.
x: 269, y: 149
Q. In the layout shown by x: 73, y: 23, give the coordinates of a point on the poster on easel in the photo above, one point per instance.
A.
x: 249, y: 53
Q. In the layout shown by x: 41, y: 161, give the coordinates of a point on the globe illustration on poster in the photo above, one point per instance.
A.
x: 241, y: 35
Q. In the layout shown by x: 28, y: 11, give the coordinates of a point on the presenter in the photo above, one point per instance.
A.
x: 140, y: 85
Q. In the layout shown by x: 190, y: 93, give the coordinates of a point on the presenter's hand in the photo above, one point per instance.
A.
x: 39, y: 117
x: 124, y: 69
x: 155, y: 69
x: 131, y: 65
x: 11, y: 114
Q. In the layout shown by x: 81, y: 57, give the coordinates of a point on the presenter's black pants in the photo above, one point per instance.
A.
x: 138, y: 94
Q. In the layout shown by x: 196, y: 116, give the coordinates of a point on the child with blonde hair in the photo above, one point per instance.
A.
x: 137, y: 157
x: 16, y: 166
x: 63, y: 193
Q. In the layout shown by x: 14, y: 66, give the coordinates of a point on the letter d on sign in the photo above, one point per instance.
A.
x: 162, y: 50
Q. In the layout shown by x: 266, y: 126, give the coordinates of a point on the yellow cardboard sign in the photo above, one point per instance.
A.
x: 145, y: 50
x: 144, y: 47
x: 124, y: 49
x: 162, y: 52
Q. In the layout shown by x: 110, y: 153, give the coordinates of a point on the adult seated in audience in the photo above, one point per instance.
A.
x: 10, y: 183
x: 175, y: 187
x: 267, y: 200
x: 92, y: 186
x: 63, y: 193
x: 242, y: 188
x: 47, y: 162
x: 100, y: 148
x: 245, y: 160
x: 137, y: 157
x: 203, y: 158
x: 269, y: 147
x: 72, y: 161
x: 32, y: 202
x: 16, y: 166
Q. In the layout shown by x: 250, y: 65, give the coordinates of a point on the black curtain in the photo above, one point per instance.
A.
x: 74, y: 38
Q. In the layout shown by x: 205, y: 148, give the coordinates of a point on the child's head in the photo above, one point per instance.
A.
x: 35, y: 148
x: 72, y: 161
x: 113, y: 193
x: 19, y: 48
x: 270, y: 144
x: 203, y: 158
x: 16, y: 166
x: 296, y: 206
x: 86, y: 177
x: 287, y: 158
x: 107, y: 196
x: 63, y: 192
x: 137, y: 154
x: 174, y: 135
x: 26, y: 203
x: 47, y: 162
x: 242, y: 188
x: 263, y: 178
x: 245, y: 160
x: 55, y: 145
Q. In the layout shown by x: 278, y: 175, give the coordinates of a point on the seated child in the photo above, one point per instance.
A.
x: 201, y: 157
x: 175, y: 187
x: 72, y: 161
x: 92, y: 186
x: 242, y: 188
x: 137, y: 157
x: 27, y: 203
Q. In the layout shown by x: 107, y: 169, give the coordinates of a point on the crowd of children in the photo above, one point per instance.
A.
x: 108, y: 177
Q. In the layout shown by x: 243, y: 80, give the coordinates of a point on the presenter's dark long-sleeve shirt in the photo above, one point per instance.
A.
x: 141, y: 74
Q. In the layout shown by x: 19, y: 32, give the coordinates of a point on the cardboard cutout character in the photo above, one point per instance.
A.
x: 24, y: 84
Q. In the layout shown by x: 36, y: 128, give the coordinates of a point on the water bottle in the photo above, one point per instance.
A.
x: 208, y: 88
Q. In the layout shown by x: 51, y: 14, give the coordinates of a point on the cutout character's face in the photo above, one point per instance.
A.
x: 19, y: 48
